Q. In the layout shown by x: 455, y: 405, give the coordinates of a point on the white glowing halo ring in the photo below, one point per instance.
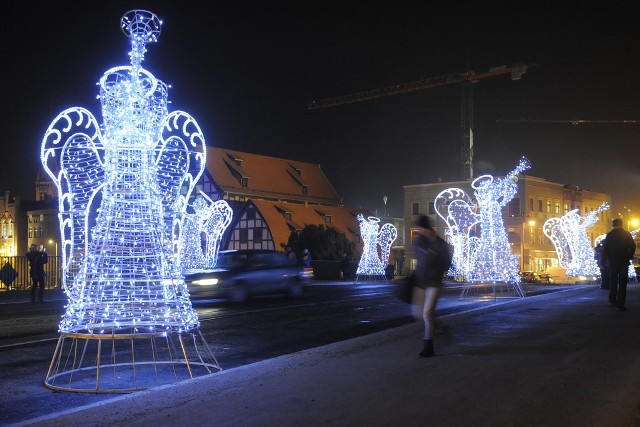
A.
x: 482, y: 181
x: 116, y: 71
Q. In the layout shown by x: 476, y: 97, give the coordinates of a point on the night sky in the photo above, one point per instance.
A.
x: 248, y: 70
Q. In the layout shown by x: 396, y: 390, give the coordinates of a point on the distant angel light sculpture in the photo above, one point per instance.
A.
x: 494, y: 261
x: 372, y: 263
x: 569, y: 236
x: 209, y: 219
x: 128, y: 311
x: 457, y: 209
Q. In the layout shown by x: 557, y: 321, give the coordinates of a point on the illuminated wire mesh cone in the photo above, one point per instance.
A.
x: 124, y: 188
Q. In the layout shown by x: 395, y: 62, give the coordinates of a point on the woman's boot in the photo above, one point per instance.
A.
x: 427, y: 350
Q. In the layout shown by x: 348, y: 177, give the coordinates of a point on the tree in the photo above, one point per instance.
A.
x: 324, y: 243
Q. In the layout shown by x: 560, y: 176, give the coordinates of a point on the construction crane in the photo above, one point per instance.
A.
x: 574, y: 122
x: 466, y: 118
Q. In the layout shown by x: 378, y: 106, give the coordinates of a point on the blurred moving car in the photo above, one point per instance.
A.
x: 240, y: 274
x: 529, y: 277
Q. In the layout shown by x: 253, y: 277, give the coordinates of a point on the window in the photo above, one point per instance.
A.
x: 548, y: 206
x: 257, y: 236
x: 557, y: 207
x: 251, y: 213
x: 531, y: 205
x: 305, y: 190
x: 539, y: 205
x: 244, y: 235
x: 432, y: 208
x: 514, y: 207
x: 415, y: 208
x: 244, y: 182
x: 327, y: 219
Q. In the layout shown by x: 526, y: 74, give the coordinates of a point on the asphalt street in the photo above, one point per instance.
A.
x: 564, y: 358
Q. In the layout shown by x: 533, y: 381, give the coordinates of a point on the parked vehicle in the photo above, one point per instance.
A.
x: 241, y: 274
x: 546, y: 278
x: 529, y: 277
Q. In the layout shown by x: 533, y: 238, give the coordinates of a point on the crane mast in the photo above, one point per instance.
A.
x: 466, y: 118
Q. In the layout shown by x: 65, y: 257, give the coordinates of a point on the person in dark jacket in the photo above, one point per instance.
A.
x: 617, y: 250
x: 344, y: 267
x: 37, y: 259
x: 433, y: 256
x: 604, y: 271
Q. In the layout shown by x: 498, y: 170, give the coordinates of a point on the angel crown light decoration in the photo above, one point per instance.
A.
x: 372, y: 263
x: 124, y: 188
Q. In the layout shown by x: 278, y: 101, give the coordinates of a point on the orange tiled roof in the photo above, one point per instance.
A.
x: 269, y: 177
x: 342, y: 219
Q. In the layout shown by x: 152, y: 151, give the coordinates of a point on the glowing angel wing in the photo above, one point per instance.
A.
x: 179, y: 165
x: 72, y: 154
x: 219, y: 218
x: 553, y: 230
x: 386, y: 237
x: 456, y: 208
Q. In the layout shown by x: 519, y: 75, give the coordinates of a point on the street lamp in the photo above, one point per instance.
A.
x: 532, y: 223
x: 51, y: 241
x: 384, y: 199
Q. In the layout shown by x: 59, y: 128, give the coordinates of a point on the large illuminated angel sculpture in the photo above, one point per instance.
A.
x: 372, y: 263
x: 457, y: 209
x: 124, y: 187
x: 569, y: 236
x: 494, y: 260
x: 209, y: 219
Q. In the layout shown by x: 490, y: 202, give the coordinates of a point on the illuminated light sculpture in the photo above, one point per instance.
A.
x: 209, y: 219
x: 372, y: 264
x: 569, y: 236
x: 494, y: 260
x: 457, y: 209
x: 128, y: 315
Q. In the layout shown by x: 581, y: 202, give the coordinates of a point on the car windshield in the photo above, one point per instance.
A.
x: 230, y: 260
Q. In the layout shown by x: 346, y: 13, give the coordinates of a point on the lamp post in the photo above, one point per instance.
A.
x: 51, y: 241
x: 532, y: 223
x: 384, y: 199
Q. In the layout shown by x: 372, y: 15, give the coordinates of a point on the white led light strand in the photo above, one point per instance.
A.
x: 494, y: 259
x: 457, y: 209
x: 209, y: 219
x: 573, y: 247
x: 371, y: 262
x: 133, y: 179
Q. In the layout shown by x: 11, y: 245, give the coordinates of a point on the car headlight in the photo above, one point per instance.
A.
x: 205, y: 282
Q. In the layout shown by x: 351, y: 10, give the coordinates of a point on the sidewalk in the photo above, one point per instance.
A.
x: 559, y: 359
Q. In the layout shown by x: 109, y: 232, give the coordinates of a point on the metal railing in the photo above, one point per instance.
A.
x: 14, y: 273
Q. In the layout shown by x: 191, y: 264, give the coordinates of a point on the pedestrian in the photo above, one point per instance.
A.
x: 291, y: 256
x: 37, y: 259
x: 433, y: 255
x: 617, y: 251
x: 306, y: 258
x: 604, y: 270
x: 344, y: 267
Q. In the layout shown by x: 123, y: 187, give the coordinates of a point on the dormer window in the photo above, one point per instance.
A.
x: 244, y: 182
x: 305, y: 189
x: 327, y: 219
